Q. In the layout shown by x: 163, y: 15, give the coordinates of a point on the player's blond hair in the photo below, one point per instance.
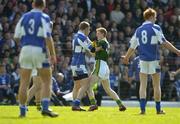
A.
x: 102, y: 30
x: 83, y: 25
x: 148, y: 13
x: 39, y: 3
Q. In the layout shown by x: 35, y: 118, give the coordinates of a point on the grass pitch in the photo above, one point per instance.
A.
x: 105, y: 115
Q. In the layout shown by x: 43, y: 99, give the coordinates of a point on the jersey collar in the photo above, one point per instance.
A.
x: 105, y: 39
x: 79, y: 32
x: 147, y: 22
x: 36, y: 10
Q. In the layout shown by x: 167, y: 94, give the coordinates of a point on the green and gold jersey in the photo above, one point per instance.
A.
x: 104, y: 52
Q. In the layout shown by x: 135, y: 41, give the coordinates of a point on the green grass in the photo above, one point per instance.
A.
x: 105, y: 115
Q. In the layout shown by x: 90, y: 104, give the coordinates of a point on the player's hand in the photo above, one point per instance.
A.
x: 178, y: 53
x: 53, y: 59
x: 125, y: 60
x: 173, y: 73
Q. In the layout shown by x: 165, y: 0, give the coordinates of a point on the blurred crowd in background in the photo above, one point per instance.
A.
x: 119, y: 17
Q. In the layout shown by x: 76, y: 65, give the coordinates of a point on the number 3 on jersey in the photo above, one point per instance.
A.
x: 31, y: 26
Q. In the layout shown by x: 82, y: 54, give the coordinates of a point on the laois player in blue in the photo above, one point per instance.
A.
x: 147, y: 38
x: 80, y: 44
x: 33, y: 32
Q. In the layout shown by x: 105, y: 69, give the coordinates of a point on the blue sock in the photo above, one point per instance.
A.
x: 76, y: 102
x: 23, y: 110
x: 158, y: 106
x: 142, y: 104
x: 45, y: 104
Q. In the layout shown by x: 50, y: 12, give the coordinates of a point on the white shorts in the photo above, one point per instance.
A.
x: 149, y: 67
x: 81, y: 70
x: 32, y: 57
x: 34, y: 72
x: 101, y: 69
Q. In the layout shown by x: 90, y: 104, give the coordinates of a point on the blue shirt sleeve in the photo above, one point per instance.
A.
x: 55, y: 86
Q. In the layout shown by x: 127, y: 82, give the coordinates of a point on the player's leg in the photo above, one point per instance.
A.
x: 137, y: 89
x: 157, y: 92
x: 144, y: 71
x: 38, y: 83
x: 92, y: 80
x: 42, y: 64
x: 108, y: 90
x: 80, y: 75
x: 77, y: 86
x: 112, y: 94
x: 155, y: 74
x: 84, y: 86
x: 35, y: 90
x: 25, y: 60
x: 76, y: 89
x: 102, y: 71
x: 46, y: 77
x: 32, y: 92
x: 142, y: 92
x: 45, y: 74
x: 25, y: 75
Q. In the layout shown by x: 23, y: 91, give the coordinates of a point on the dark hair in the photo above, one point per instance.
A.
x: 39, y: 3
x: 83, y: 25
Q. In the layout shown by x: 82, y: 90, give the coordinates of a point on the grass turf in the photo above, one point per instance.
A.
x: 105, y: 115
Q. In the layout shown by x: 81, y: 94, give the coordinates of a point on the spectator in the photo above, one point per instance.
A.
x: 117, y: 15
x: 128, y: 21
x: 5, y: 87
x: 57, y: 94
x: 168, y: 85
x: 87, y: 5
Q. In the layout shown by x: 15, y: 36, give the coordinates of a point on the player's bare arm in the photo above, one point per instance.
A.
x: 129, y: 53
x: 170, y: 47
x: 50, y: 45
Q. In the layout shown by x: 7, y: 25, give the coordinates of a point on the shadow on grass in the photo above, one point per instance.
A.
x: 16, y: 117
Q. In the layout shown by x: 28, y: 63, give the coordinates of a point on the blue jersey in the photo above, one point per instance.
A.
x: 4, y: 79
x: 55, y: 86
x: 147, y: 38
x: 134, y: 68
x: 33, y: 28
x: 80, y: 43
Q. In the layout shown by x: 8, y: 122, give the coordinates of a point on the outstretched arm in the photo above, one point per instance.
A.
x: 133, y: 45
x: 129, y: 53
x: 176, y: 72
x: 170, y: 47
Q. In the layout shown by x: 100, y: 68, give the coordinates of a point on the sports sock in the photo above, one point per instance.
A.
x: 45, y: 104
x: 23, y: 110
x: 143, y: 104
x: 93, y: 101
x: 158, y: 106
x: 76, y: 102
x: 118, y: 101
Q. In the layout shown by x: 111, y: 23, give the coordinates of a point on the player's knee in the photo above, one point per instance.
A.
x: 157, y: 90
